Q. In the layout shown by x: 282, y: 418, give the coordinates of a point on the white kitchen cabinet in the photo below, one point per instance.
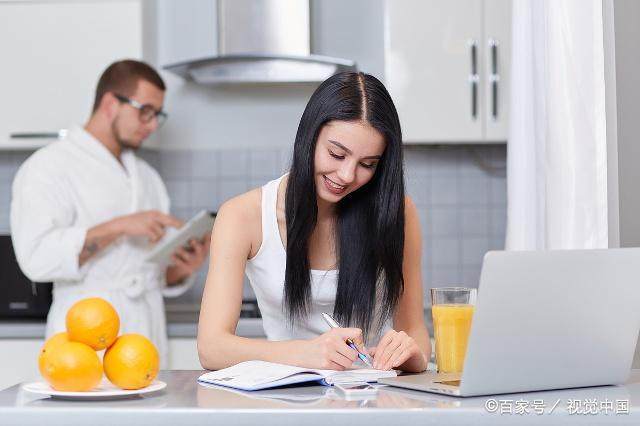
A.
x: 497, y: 65
x: 183, y: 354
x: 19, y: 358
x: 53, y: 53
x: 439, y: 68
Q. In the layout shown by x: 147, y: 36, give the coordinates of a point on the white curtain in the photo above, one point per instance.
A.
x: 557, y: 149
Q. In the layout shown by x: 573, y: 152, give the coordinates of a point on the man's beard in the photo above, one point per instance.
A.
x: 122, y: 143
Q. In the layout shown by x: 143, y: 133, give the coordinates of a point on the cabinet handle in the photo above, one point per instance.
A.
x: 473, y: 78
x: 494, y: 78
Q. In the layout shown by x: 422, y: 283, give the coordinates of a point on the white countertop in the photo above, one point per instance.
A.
x: 184, y: 402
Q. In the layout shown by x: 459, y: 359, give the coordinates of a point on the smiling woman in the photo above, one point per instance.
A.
x: 351, y: 169
x: 334, y: 234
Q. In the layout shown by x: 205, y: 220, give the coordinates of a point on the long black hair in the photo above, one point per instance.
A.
x: 370, y: 222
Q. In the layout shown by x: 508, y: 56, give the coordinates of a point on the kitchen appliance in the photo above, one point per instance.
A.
x: 262, y: 41
x: 19, y: 296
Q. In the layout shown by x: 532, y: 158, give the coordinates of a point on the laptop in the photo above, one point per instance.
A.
x: 547, y: 320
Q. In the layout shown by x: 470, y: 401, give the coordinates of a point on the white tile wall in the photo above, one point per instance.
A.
x: 9, y: 163
x: 205, y: 164
x: 444, y: 221
x: 474, y: 221
x: 264, y: 164
x: 180, y: 193
x: 205, y: 194
x: 473, y: 191
x: 445, y: 252
x: 444, y: 190
x: 234, y: 163
x: 460, y: 193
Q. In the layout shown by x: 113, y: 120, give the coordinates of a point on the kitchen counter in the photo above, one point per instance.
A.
x: 185, y: 402
x: 247, y: 327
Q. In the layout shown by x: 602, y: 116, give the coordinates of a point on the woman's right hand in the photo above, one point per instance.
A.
x: 330, y: 351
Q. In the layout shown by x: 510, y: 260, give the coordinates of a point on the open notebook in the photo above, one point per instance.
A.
x: 255, y: 375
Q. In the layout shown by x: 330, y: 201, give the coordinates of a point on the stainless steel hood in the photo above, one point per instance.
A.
x: 262, y: 41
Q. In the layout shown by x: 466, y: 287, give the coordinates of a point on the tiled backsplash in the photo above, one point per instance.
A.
x: 460, y: 192
x: 9, y: 163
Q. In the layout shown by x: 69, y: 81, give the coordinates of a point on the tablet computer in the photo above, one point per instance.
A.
x: 195, y: 229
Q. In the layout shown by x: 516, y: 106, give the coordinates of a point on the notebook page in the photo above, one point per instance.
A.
x: 257, y: 374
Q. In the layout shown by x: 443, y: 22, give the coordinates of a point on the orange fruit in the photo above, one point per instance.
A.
x: 132, y: 362
x: 71, y: 366
x: 51, y: 343
x: 94, y: 322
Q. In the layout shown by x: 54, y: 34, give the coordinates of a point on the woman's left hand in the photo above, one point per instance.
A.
x: 394, y: 349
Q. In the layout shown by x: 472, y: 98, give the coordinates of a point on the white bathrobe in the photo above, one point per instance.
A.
x: 60, y: 192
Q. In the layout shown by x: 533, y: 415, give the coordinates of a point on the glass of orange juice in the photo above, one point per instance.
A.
x: 452, y: 310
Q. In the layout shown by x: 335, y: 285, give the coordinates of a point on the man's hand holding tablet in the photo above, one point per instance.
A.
x: 179, y: 242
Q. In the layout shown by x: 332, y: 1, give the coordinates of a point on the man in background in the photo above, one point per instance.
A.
x: 86, y: 210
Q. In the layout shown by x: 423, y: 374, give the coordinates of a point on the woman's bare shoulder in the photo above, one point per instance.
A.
x: 244, y: 208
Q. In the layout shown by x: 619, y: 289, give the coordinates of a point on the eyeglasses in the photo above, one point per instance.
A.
x: 146, y: 112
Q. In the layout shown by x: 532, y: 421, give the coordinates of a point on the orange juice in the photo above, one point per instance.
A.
x: 451, y: 326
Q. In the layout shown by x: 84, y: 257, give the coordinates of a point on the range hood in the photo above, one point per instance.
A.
x: 262, y: 41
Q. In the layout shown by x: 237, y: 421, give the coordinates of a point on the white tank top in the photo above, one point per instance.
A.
x: 266, y: 271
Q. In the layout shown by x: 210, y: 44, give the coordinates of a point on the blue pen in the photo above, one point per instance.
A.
x: 333, y: 324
